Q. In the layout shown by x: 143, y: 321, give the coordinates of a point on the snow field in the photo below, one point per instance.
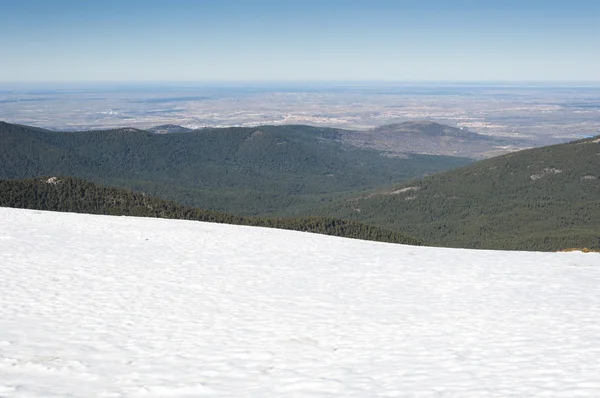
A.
x: 98, y: 306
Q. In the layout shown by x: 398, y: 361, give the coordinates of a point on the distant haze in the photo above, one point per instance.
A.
x: 158, y: 40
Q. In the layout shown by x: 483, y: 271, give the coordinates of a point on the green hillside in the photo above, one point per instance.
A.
x: 540, y: 199
x: 75, y: 195
x: 279, y: 170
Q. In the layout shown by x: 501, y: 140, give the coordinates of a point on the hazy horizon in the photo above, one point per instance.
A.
x: 300, y: 83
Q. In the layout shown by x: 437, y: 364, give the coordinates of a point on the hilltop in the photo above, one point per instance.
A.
x: 426, y: 137
x: 539, y: 199
x: 169, y: 128
x: 100, y: 306
x: 427, y: 128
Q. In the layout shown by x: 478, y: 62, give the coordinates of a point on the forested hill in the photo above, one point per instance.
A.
x: 74, y: 195
x: 540, y: 199
x: 281, y: 170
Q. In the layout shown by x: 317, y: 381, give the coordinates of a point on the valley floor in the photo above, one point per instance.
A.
x: 98, y: 306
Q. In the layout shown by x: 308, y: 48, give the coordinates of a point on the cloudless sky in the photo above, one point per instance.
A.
x: 235, y: 40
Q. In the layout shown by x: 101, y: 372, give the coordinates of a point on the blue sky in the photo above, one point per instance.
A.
x: 179, y: 40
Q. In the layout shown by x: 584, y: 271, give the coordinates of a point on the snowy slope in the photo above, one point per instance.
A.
x: 97, y: 306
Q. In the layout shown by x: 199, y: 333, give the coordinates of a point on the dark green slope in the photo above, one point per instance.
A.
x: 540, y: 199
x: 281, y: 170
x: 75, y: 195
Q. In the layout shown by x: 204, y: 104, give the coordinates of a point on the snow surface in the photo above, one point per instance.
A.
x: 97, y: 306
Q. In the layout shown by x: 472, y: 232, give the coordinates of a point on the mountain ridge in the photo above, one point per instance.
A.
x: 68, y: 194
x: 538, y: 199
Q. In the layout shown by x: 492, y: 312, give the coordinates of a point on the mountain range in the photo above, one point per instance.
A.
x: 537, y: 199
x: 277, y: 170
x: 415, y: 137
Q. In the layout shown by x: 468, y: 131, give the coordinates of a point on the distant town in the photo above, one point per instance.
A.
x: 544, y: 113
